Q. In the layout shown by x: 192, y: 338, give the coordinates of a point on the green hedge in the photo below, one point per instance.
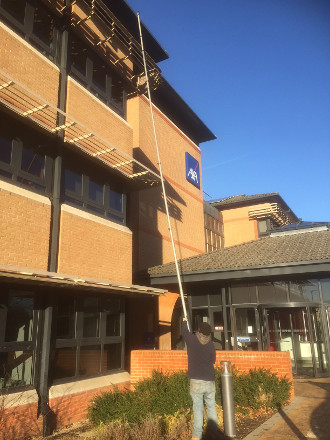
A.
x: 167, y: 394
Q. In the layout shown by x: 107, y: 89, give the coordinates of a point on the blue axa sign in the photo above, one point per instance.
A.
x: 192, y: 170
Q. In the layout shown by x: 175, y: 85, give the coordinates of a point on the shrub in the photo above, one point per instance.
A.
x: 166, y: 394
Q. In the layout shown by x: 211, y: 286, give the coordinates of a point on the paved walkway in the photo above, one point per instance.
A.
x: 306, y: 418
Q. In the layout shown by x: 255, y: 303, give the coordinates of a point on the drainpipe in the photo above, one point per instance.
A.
x: 47, y: 313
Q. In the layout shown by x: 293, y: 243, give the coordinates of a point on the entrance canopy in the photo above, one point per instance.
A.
x: 41, y: 278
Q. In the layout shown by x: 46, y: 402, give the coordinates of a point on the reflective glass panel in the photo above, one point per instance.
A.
x: 112, y: 357
x: 304, y: 290
x: 243, y: 293
x: 199, y: 300
x: 73, y: 182
x: 325, y: 285
x: 43, y: 24
x: 91, y: 318
x: 63, y: 362
x: 65, y: 328
x: 16, y: 8
x: 33, y: 163
x: 95, y: 192
x: 199, y: 316
x: 90, y: 360
x: 19, y: 322
x: 270, y: 293
x: 16, y: 369
x: 116, y: 201
x: 5, y: 150
x: 112, y: 309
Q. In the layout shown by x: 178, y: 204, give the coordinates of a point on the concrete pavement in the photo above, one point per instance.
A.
x: 306, y: 418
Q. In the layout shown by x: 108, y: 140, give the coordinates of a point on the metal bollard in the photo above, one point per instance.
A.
x: 228, y: 400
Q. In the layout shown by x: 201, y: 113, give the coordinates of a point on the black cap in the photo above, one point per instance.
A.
x: 205, y: 328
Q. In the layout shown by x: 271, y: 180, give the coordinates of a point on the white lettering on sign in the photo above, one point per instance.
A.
x: 193, y: 175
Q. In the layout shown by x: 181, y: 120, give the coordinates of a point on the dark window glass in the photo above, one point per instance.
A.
x: 111, y: 307
x: 16, y: 8
x: 199, y: 300
x: 63, y: 362
x: 116, y: 218
x: 270, y: 293
x: 112, y: 357
x: 79, y: 56
x: 99, y: 75
x: 65, y: 318
x: 304, y: 290
x: 73, y: 182
x: 199, y: 316
x: 218, y: 330
x: 242, y: 293
x: 33, y: 163
x: 91, y: 318
x: 117, y: 90
x: 116, y: 201
x: 19, y: 322
x: 215, y: 300
x: 16, y: 368
x: 5, y: 149
x: 90, y: 360
x: 325, y: 285
x: 43, y: 24
x: 95, y: 192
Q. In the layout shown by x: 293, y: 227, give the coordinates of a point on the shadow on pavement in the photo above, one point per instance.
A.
x: 291, y: 425
x: 212, y: 432
x: 320, y: 420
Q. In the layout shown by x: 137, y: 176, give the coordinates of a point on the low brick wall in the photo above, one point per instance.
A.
x: 21, y: 421
x: 143, y: 362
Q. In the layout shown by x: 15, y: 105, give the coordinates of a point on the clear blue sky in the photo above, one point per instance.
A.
x: 257, y: 72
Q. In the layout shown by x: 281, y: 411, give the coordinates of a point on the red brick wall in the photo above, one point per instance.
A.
x: 21, y: 422
x: 143, y: 362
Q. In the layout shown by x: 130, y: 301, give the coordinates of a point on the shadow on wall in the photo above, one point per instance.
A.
x: 173, y: 197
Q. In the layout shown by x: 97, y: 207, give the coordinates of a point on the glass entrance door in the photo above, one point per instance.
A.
x: 246, y: 329
x: 296, y: 330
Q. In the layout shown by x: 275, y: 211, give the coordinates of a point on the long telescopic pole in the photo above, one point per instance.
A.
x: 161, y: 175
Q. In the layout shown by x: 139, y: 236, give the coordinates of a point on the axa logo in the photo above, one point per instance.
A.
x: 193, y: 174
x: 192, y: 170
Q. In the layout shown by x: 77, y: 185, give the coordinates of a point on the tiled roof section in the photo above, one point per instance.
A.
x: 308, y: 247
x: 241, y: 198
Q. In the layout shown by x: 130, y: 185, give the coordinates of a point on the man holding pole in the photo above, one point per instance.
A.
x: 201, y: 359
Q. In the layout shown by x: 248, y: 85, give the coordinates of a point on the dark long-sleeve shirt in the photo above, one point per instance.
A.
x: 201, y: 358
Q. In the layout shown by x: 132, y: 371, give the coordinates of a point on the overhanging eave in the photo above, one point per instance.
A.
x: 284, y: 269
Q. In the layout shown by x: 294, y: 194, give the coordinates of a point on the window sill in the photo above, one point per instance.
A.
x: 79, y: 386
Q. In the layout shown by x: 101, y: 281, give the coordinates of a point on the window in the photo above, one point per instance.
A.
x: 24, y: 160
x: 35, y: 23
x: 17, y: 339
x: 94, y: 73
x: 89, y: 335
x: 264, y: 226
x: 94, y: 195
x: 213, y: 233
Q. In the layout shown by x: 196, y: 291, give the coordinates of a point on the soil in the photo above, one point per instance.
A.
x: 85, y: 431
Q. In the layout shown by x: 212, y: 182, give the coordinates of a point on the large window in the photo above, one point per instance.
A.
x: 213, y: 233
x: 23, y: 159
x: 89, y: 334
x: 98, y: 77
x: 17, y: 339
x: 34, y: 22
x: 95, y: 194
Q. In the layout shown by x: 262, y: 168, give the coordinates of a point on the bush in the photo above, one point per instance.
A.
x: 167, y: 394
x: 259, y: 388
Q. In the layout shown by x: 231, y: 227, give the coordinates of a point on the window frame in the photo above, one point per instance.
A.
x: 14, y: 168
x: 83, y: 201
x: 14, y: 346
x: 25, y: 29
x: 87, y: 79
x: 80, y: 341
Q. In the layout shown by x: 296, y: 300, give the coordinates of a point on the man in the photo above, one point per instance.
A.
x: 201, y: 359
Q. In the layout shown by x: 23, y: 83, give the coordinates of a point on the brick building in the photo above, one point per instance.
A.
x: 81, y: 209
x: 238, y: 219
